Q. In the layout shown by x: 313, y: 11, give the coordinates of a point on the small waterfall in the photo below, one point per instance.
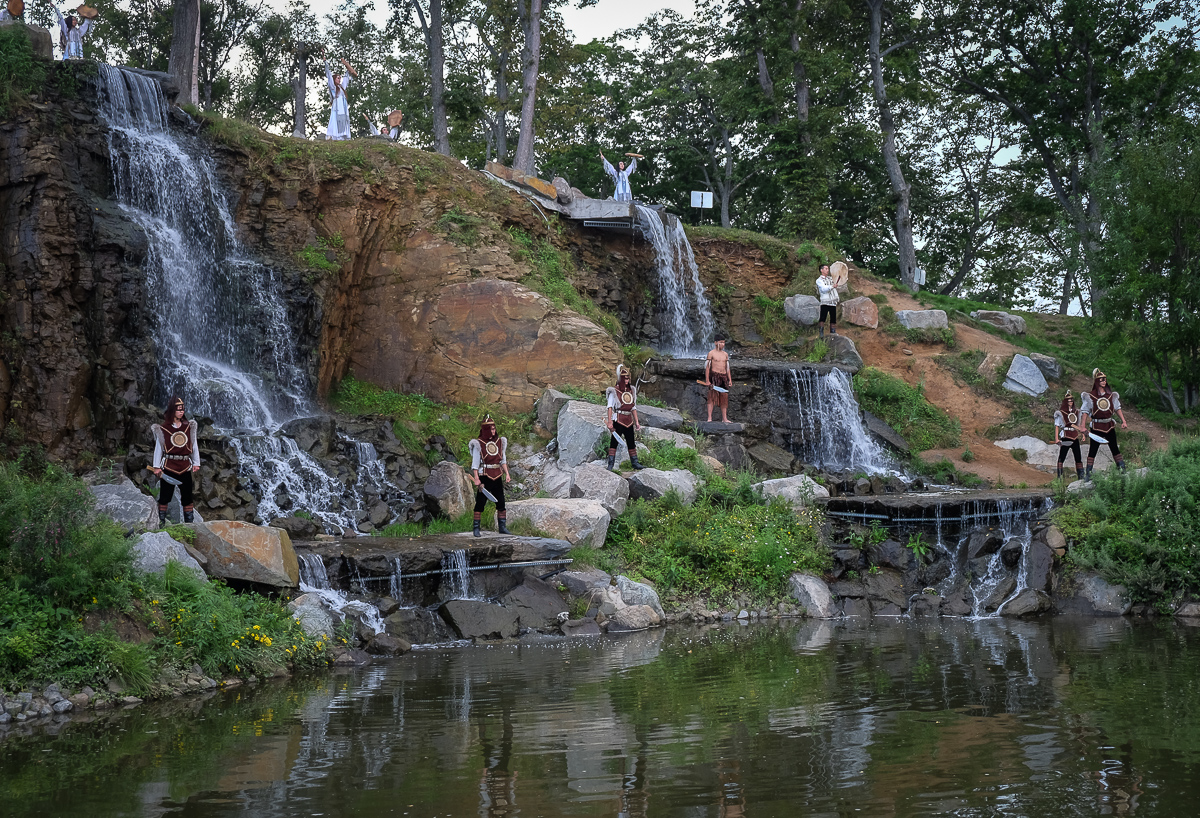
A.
x: 456, y: 577
x: 394, y: 588
x: 832, y: 435
x: 312, y: 572
x: 686, y: 320
x: 224, y: 340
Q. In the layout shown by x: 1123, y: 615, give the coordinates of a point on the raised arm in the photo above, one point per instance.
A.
x: 350, y: 69
x: 608, y: 168
x: 62, y: 24
x: 329, y: 80
x: 632, y: 165
x: 85, y: 27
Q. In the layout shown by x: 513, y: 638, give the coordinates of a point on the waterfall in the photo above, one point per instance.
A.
x: 832, y: 435
x: 686, y: 322
x: 312, y: 572
x: 456, y: 576
x: 224, y: 342
x: 395, y: 591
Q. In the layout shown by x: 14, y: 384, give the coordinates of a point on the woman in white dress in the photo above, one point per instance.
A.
x: 339, y: 115
x: 73, y: 33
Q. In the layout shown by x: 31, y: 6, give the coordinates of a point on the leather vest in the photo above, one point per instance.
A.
x: 491, y: 453
x: 177, y: 448
x: 1102, y: 412
x: 1070, y: 431
x: 626, y: 403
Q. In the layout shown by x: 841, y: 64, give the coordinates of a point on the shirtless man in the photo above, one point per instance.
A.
x: 717, y: 373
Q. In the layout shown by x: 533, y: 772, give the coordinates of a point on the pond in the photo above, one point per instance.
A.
x: 891, y: 718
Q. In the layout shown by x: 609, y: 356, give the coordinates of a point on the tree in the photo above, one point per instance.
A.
x: 185, y: 50
x: 1149, y: 263
x: 224, y: 25
x: 432, y: 27
x: 530, y: 13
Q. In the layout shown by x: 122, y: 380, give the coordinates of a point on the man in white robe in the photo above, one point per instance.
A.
x: 620, y: 177
x: 339, y: 114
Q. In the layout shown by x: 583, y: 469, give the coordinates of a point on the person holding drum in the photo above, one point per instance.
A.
x: 1098, y: 409
x: 827, y: 291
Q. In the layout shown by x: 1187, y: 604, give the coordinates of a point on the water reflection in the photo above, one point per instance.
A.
x: 1096, y: 717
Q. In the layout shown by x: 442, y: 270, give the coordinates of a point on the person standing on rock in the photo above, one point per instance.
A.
x: 828, y: 292
x: 1098, y: 409
x: 1066, y: 433
x: 622, y: 418
x: 176, y: 452
x: 71, y: 33
x: 339, y: 114
x: 489, y: 460
x: 718, y: 377
x: 620, y: 175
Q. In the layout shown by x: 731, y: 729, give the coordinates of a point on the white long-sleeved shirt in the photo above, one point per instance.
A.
x: 828, y: 290
x: 623, y: 192
x: 73, y: 36
x: 160, y: 433
x: 477, y: 452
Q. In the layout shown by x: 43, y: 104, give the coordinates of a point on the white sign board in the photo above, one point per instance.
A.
x: 701, y: 198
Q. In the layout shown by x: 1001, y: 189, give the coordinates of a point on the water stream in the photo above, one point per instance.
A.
x: 223, y: 338
x: 686, y: 324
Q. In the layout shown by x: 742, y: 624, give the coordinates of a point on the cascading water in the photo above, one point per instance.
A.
x: 395, y: 589
x: 315, y: 580
x: 686, y: 320
x: 223, y: 336
x: 832, y: 435
x: 456, y: 577
x: 312, y: 572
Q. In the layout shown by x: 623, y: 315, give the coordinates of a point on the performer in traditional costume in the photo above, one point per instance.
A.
x: 177, y: 454
x: 828, y: 292
x: 339, y: 114
x: 620, y: 176
x: 622, y: 418
x: 489, y: 460
x: 393, y: 131
x: 72, y: 32
x: 718, y: 377
x: 1098, y: 408
x: 1066, y: 433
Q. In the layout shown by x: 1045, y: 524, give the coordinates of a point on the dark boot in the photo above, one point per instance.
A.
x: 1088, y: 474
x: 633, y: 461
x: 189, y: 516
x: 820, y: 331
x: 500, y: 526
x: 162, y: 516
x: 833, y: 329
x: 612, y: 459
x: 1060, y: 469
x: 1079, y: 472
x: 1121, y: 465
x: 475, y: 527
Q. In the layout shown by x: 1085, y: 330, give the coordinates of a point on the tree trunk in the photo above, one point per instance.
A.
x: 299, y: 85
x: 800, y: 79
x: 502, y: 115
x: 184, y: 62
x: 900, y: 189
x: 437, y: 78
x: 531, y: 54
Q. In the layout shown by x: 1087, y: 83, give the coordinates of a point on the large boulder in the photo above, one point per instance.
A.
x: 771, y: 458
x: 39, y: 38
x: 537, y: 603
x: 633, y: 618
x: 1091, y: 595
x: 652, y: 484
x: 549, y: 405
x: 844, y: 353
x: 126, y: 503
x: 638, y: 593
x: 315, y: 435
x: 243, y: 553
x: 473, y: 619
x: 1050, y: 367
x: 1029, y: 602
x: 314, y: 618
x: 384, y: 644
x: 1003, y: 321
x: 798, y: 491
x: 298, y: 528
x: 420, y: 626
x: 579, y: 522
x: 581, y: 582
x: 729, y: 451
x: 922, y: 319
x: 861, y: 312
x: 812, y: 594
x: 659, y: 418
x: 1024, y: 377
x: 989, y: 367
x: 581, y: 427
x: 803, y: 309
x: 557, y: 482
x: 592, y: 481
x: 449, y: 487
x: 651, y: 435
x: 153, y: 550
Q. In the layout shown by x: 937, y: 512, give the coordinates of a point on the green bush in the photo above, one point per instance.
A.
x: 21, y: 73
x: 665, y: 455
x: 717, y: 552
x: 921, y: 423
x: 1140, y: 532
x: 52, y: 546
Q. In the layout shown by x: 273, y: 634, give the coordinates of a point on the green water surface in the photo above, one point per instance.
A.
x: 883, y: 718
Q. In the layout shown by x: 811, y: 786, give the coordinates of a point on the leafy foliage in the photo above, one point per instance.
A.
x: 20, y: 73
x: 905, y: 407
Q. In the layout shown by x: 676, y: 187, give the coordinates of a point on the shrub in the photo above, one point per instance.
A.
x: 1020, y: 455
x: 21, y: 73
x: 921, y: 423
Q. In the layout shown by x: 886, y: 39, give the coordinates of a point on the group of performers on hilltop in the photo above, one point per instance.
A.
x: 1092, y: 421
